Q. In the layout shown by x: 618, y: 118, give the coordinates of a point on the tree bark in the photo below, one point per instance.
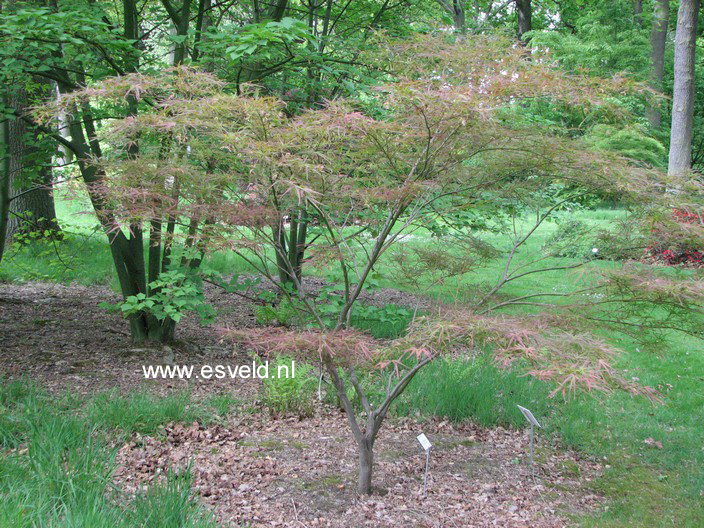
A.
x: 658, y: 38
x: 31, y: 202
x: 455, y: 8
x: 680, y: 158
x: 458, y: 16
x: 524, y: 14
x: 366, y: 464
x: 638, y: 12
x: 4, y: 182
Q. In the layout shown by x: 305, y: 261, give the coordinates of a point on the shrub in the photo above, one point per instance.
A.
x: 283, y: 314
x: 576, y: 239
x: 683, y: 249
x: 461, y: 389
x: 292, y: 394
x: 569, y: 240
x: 170, y: 503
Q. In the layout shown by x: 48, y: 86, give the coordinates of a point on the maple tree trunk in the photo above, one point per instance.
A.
x: 366, y: 464
x: 146, y: 329
x: 680, y: 158
x: 658, y: 37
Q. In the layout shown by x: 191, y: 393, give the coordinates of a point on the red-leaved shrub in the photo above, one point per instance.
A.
x: 680, y: 250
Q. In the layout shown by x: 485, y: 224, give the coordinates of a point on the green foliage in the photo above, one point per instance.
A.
x: 172, y: 295
x: 141, y: 412
x: 76, y: 256
x: 170, y: 503
x: 372, y: 385
x: 59, y: 473
x: 223, y: 403
x: 476, y: 390
x: 576, y: 239
x: 570, y: 239
x: 629, y: 142
x: 383, y: 322
x: 285, y: 313
x: 602, y: 39
x: 292, y: 394
x: 37, y: 39
x: 259, y: 40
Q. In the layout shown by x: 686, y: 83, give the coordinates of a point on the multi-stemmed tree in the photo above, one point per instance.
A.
x: 444, y: 148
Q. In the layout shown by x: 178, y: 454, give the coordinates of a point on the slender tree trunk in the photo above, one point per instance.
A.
x: 182, y: 32
x: 458, y: 16
x: 680, y: 158
x: 203, y: 22
x: 524, y: 14
x: 638, y: 12
x: 277, y: 10
x: 658, y: 38
x: 366, y: 464
x: 455, y: 8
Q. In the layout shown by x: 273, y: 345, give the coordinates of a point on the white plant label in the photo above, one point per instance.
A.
x: 424, y: 442
x: 529, y: 416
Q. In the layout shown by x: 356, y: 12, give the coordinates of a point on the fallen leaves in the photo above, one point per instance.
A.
x: 653, y: 443
x: 290, y: 472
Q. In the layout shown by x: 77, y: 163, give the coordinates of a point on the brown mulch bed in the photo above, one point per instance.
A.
x: 62, y: 338
x: 256, y: 472
x: 284, y: 472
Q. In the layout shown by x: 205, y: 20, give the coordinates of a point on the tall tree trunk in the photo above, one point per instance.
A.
x: 203, y: 22
x: 658, y: 38
x: 4, y: 181
x: 455, y: 8
x: 31, y: 202
x: 458, y: 16
x: 638, y: 12
x: 524, y: 14
x: 680, y: 158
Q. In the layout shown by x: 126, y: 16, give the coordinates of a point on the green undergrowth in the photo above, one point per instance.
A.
x: 57, y: 458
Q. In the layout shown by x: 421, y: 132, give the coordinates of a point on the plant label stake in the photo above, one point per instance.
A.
x: 426, y: 445
x: 533, y: 422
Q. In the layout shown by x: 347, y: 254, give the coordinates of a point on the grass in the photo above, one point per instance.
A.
x: 57, y: 460
x: 143, y: 413
x: 644, y: 486
x: 461, y: 389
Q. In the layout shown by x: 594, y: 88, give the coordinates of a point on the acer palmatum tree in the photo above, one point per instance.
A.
x: 339, y: 187
x: 446, y: 147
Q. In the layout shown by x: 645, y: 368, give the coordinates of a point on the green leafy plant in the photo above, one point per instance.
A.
x: 285, y: 313
x: 290, y: 394
x: 570, y: 239
x: 174, y: 293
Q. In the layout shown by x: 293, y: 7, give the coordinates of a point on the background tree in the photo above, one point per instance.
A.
x: 681, y: 131
x: 31, y: 207
x: 524, y: 14
x: 4, y: 180
x: 658, y: 39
